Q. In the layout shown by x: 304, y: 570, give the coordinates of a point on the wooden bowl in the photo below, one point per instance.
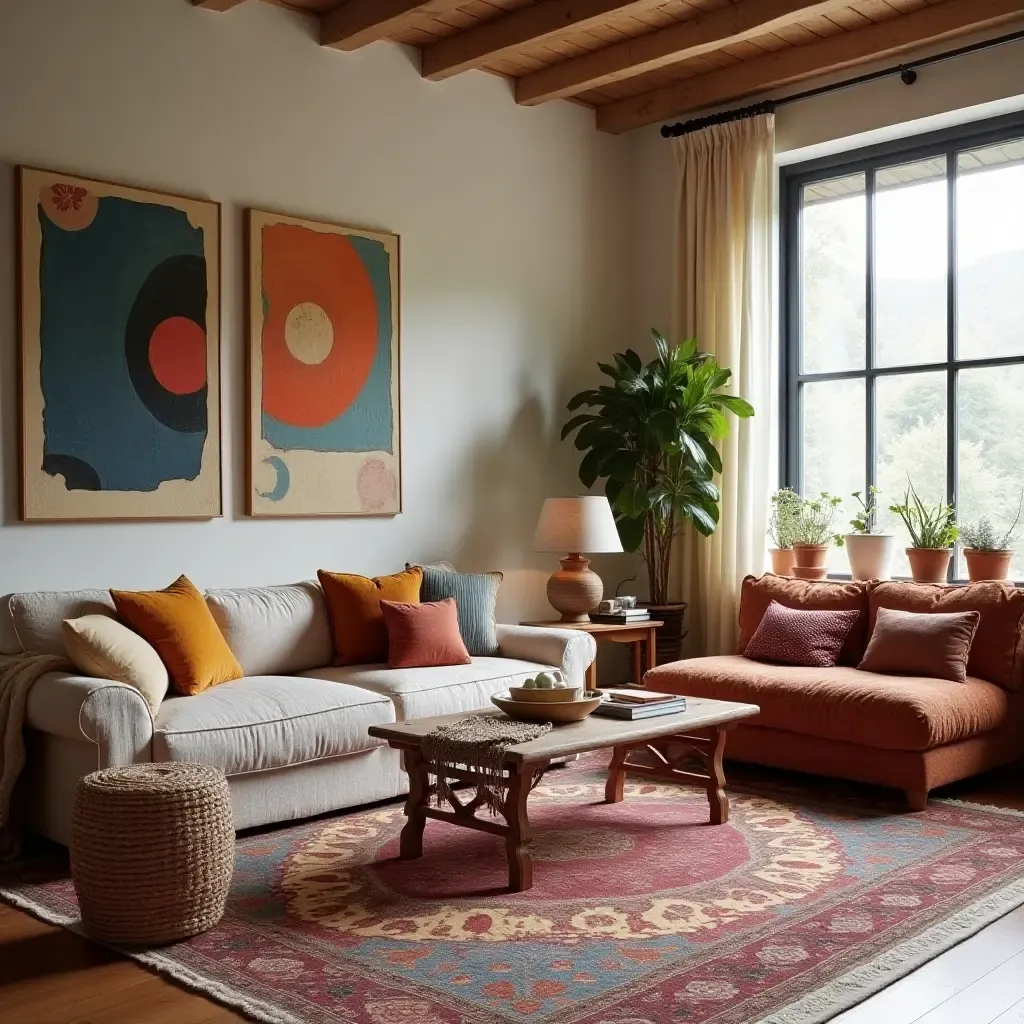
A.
x: 534, y: 696
x: 558, y: 712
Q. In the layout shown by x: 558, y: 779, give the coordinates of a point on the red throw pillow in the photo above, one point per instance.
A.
x: 423, y: 634
x: 799, y: 636
x: 933, y: 645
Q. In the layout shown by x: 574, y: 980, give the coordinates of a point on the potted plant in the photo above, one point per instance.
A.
x: 933, y: 533
x: 870, y: 553
x: 651, y: 433
x: 813, y: 532
x: 783, y: 517
x: 986, y: 550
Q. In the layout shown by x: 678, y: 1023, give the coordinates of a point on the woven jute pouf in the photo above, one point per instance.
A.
x: 152, y: 851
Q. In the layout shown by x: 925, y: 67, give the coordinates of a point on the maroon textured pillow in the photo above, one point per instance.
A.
x: 424, y: 634
x: 935, y: 645
x: 799, y: 636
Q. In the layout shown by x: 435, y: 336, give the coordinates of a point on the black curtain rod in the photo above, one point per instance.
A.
x: 907, y: 72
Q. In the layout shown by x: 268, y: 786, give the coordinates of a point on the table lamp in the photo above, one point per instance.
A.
x: 582, y: 524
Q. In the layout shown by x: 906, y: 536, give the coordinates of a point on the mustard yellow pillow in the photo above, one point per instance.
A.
x: 100, y: 646
x: 177, y: 622
x: 357, y: 623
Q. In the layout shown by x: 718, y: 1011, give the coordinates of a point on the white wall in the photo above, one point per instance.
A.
x: 515, y: 239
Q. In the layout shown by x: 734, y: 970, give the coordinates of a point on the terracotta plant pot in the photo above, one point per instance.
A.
x: 810, y: 556
x: 987, y: 565
x: 783, y: 560
x: 929, y: 565
x: 870, y: 555
x: 810, y: 572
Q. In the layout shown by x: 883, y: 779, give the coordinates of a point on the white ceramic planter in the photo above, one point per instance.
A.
x: 870, y: 555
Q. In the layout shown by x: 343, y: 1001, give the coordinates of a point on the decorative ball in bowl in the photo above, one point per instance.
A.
x: 556, y: 712
x: 546, y: 688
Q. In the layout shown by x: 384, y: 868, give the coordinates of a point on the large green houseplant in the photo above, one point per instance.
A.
x: 652, y: 434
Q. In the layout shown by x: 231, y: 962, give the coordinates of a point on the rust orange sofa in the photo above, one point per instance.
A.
x: 915, y: 734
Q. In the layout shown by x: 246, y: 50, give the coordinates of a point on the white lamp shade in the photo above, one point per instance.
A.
x: 583, y: 525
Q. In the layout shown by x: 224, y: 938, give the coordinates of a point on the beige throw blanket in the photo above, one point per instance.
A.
x: 479, y: 743
x: 17, y: 674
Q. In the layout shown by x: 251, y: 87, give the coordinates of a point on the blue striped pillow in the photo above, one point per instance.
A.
x: 475, y: 596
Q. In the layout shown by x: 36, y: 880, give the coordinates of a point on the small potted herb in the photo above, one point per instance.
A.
x: 870, y: 553
x: 987, y: 550
x: 933, y: 532
x: 813, y: 532
x: 781, y: 523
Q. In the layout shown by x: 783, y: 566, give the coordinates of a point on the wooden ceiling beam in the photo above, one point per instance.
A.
x: 535, y: 24
x: 217, y: 5
x: 358, y: 22
x: 926, y: 25
x: 708, y: 31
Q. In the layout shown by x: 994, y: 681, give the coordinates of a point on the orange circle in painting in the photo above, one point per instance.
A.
x: 70, y: 207
x: 177, y: 355
x: 303, y: 269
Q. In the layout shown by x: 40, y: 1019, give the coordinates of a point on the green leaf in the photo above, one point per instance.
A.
x: 738, y: 406
x: 633, y: 500
x: 589, y: 468
x: 701, y: 519
x: 631, y: 532
x: 576, y: 421
x: 621, y: 464
x: 583, y: 398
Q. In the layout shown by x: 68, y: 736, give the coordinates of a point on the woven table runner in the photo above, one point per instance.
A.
x: 479, y: 743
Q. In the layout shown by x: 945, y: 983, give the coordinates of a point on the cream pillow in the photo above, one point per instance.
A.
x: 101, y: 646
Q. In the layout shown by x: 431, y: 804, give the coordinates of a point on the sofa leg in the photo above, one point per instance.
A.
x: 917, y: 799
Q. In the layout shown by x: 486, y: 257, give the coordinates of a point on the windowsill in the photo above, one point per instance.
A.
x: 847, y: 578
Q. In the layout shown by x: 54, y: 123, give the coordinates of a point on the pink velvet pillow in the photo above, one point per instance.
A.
x: 799, y: 636
x: 424, y: 634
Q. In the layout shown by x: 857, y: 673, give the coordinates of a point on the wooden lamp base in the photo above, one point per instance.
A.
x: 575, y: 590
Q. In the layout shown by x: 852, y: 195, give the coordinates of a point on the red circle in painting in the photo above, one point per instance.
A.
x: 305, y: 266
x: 177, y: 354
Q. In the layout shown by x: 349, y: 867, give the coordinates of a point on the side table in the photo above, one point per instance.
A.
x: 639, y: 635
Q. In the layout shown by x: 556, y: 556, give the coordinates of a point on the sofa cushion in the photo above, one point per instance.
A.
x: 997, y: 653
x: 758, y: 593
x: 475, y: 596
x: 423, y: 634
x: 424, y: 692
x: 37, y: 616
x: 261, y: 722
x: 274, y: 630
x: 886, y: 712
x: 800, y: 636
x: 932, y: 644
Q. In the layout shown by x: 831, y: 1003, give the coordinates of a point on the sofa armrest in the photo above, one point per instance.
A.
x: 570, y: 650
x: 112, y: 715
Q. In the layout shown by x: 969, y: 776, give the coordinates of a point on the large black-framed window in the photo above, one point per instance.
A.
x: 902, y: 325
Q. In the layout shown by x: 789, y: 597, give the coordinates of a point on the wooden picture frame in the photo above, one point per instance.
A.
x: 119, y: 351
x: 324, y: 395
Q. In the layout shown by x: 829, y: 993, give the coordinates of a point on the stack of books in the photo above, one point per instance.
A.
x: 622, y: 617
x: 633, y: 704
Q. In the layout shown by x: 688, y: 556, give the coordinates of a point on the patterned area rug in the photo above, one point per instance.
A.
x: 640, y: 912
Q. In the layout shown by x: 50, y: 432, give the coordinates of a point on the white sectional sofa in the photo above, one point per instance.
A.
x: 291, y: 736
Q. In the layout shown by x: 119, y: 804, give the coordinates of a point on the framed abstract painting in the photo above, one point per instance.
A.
x: 324, y: 437
x: 120, y: 328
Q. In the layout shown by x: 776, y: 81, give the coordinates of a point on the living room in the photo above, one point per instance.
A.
x: 242, y: 564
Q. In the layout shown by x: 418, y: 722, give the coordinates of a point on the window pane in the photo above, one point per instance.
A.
x: 910, y: 410
x: 990, y: 251
x: 991, y: 471
x: 910, y: 263
x: 834, y: 449
x: 833, y: 269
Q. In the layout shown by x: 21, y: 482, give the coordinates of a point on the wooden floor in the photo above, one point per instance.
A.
x: 50, y: 976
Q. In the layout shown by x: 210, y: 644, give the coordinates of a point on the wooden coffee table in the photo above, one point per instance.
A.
x: 688, y: 746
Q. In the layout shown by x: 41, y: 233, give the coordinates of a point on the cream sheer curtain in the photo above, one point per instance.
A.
x: 724, y: 286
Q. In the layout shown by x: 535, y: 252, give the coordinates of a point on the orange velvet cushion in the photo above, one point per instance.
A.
x: 177, y: 622
x: 423, y: 635
x: 996, y: 653
x: 353, y: 603
x: 812, y: 595
x: 933, y: 645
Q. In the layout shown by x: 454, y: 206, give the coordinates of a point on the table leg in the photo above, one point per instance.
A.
x: 717, y: 800
x: 652, y: 649
x: 411, y: 842
x: 592, y: 675
x: 638, y: 670
x: 517, y: 842
x: 616, y: 776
